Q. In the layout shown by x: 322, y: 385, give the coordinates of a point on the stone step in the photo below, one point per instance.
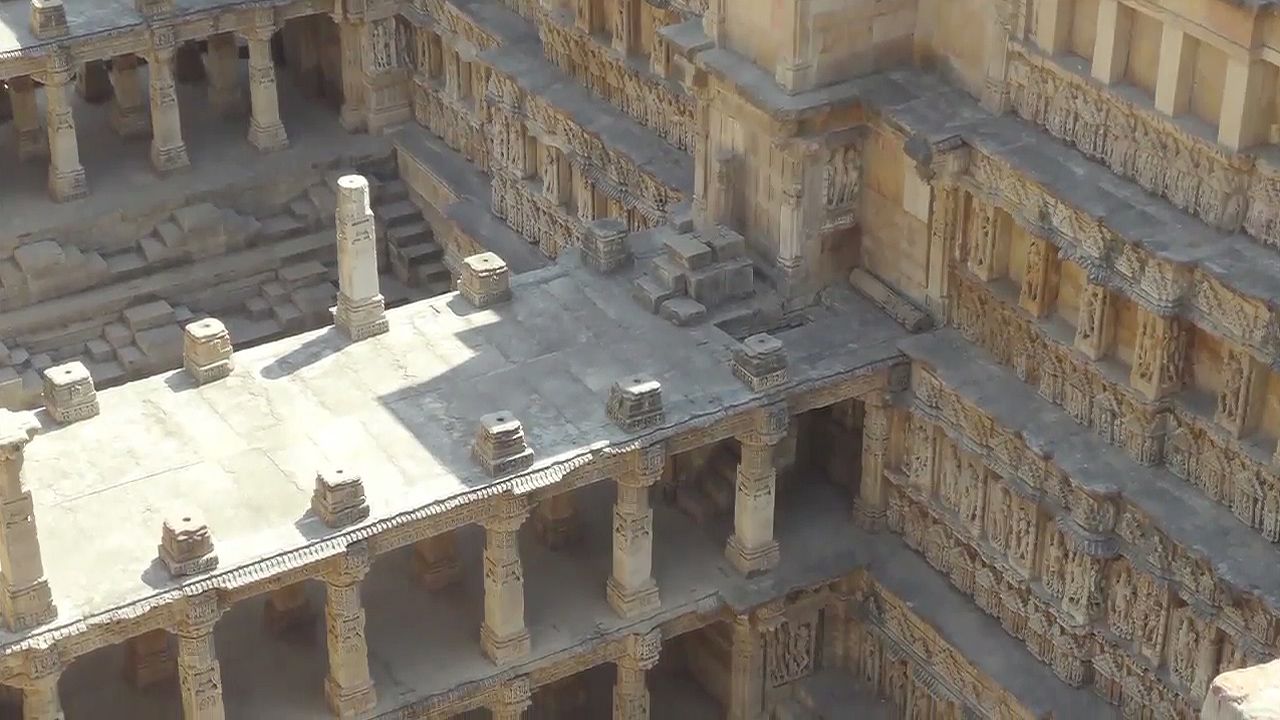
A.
x: 155, y: 251
x: 287, y: 314
x: 424, y: 253
x: 305, y: 211
x: 148, y: 315
x: 170, y: 234
x: 129, y: 263
x: 434, y: 276
x: 303, y: 273
x: 409, y: 233
x: 401, y: 212
x: 325, y: 200
x: 392, y: 191
x: 281, y: 227
x: 258, y: 308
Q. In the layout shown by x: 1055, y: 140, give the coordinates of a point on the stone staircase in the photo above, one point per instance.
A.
x: 696, y: 272
x: 412, y: 253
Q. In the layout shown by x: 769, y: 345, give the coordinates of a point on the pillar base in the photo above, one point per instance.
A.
x: 33, y: 144
x: 268, y: 139
x: 632, y: 602
x: 436, y: 574
x: 361, y: 320
x: 67, y: 186
x: 27, y: 607
x: 166, y: 160
x: 752, y: 561
x: 349, y: 703
x: 130, y: 122
x: 503, y: 650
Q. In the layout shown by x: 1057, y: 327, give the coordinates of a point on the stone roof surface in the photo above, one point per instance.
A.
x: 400, y: 409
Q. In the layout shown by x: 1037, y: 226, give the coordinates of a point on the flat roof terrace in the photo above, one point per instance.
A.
x: 401, y: 409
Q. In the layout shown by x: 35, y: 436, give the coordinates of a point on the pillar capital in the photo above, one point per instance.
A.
x: 641, y: 650
x: 350, y: 567
x: 199, y: 674
x: 198, y: 615
x: 512, y: 699
x: 644, y: 466
x: 40, y: 700
x: 768, y: 425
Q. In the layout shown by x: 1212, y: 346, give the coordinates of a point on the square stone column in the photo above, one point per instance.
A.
x: 222, y: 69
x: 746, y: 670
x: 1111, y: 42
x: 630, y: 690
x: 361, y: 311
x: 555, y: 521
x: 93, y: 83
x: 504, y: 637
x: 751, y: 548
x: 66, y: 174
x: 266, y: 131
x: 1095, y: 323
x: 870, y: 506
x: 350, y: 37
x: 631, y: 589
x: 1241, y: 122
x: 40, y: 699
x: 168, y: 151
x: 199, y: 674
x: 33, y: 142
x: 128, y: 114
x: 436, y: 561
x: 386, y: 82
x: 26, y: 601
x: 349, y: 687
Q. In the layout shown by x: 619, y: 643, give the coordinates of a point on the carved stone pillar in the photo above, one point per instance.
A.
x: 199, y: 675
x: 869, y: 507
x: 988, y: 253
x: 168, y: 151
x: 752, y: 548
x: 584, y: 194
x: 350, y: 37
x: 349, y: 687
x: 361, y: 309
x: 1176, y: 70
x: 66, y: 174
x: 1008, y: 17
x: 266, y: 131
x: 504, y: 637
x: 93, y: 83
x: 555, y: 521
x: 513, y: 699
x: 746, y: 671
x: 1159, y: 347
x: 630, y: 690
x: 26, y: 601
x: 1094, y: 325
x: 386, y: 82
x: 1038, y: 291
x: 40, y: 699
x: 625, y: 30
x: 33, y: 142
x: 223, y: 72
x: 452, y: 81
x: 631, y: 589
x: 436, y: 561
x: 1241, y: 122
x: 1244, y: 385
x: 791, y: 230
x: 1111, y: 44
x: 128, y: 113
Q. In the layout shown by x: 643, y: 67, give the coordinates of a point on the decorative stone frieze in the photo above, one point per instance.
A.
x: 760, y: 362
x: 186, y: 544
x: 349, y: 687
x: 361, y: 309
x: 339, y: 499
x: 206, y: 350
x: 486, y: 281
x: 26, y: 601
x: 500, y: 445
x: 48, y: 19
x: 604, y: 245
x: 635, y: 403
x: 69, y: 395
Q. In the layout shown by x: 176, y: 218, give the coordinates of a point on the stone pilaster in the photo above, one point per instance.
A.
x: 386, y: 82
x: 128, y: 114
x: 168, y: 151
x: 222, y: 70
x: 746, y: 670
x: 752, y: 548
x: 66, y: 174
x: 33, y: 142
x: 1159, y: 348
x: 26, y: 601
x: 350, y: 38
x: 1111, y: 43
x: 631, y: 589
x: 625, y: 25
x: 1241, y: 122
x: 436, y: 560
x: 870, y: 506
x: 630, y: 689
x: 361, y: 310
x: 1094, y: 324
x: 504, y: 637
x: 40, y: 699
x: 266, y: 130
x: 1244, y: 382
x: 1038, y: 293
x: 199, y: 675
x: 988, y: 252
x: 513, y: 699
x: 349, y: 687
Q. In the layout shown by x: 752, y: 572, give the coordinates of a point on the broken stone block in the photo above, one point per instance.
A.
x: 69, y: 394
x: 500, y: 445
x: 198, y: 218
x: 604, y: 247
x: 900, y: 309
x: 670, y: 275
x: 725, y: 243
x: 186, y: 545
x: 338, y: 499
x: 206, y: 350
x: 650, y: 293
x: 708, y: 286
x: 162, y: 345
x: 683, y: 311
x: 636, y: 403
x: 117, y: 335
x: 690, y: 252
x: 485, y: 280
x: 1251, y: 693
x: 39, y: 258
x: 18, y: 356
x: 41, y: 362
x: 760, y: 362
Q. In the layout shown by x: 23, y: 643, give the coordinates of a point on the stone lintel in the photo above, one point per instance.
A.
x: 69, y: 394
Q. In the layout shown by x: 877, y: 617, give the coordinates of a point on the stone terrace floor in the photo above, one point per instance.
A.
x: 401, y: 409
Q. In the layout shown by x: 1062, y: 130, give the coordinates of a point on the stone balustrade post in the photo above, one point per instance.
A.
x: 631, y: 689
x: 128, y: 114
x: 631, y: 589
x: 66, y: 174
x: 752, y: 548
x: 869, y: 508
x: 349, y: 688
x: 26, y: 600
x: 266, y: 130
x: 504, y: 637
x: 168, y: 150
x: 199, y: 674
x: 33, y: 142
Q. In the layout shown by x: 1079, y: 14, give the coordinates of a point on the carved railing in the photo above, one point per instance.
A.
x: 1232, y: 192
x: 1085, y: 578
x: 658, y: 104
